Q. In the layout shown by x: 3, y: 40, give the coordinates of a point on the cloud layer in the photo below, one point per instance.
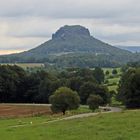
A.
x: 26, y: 24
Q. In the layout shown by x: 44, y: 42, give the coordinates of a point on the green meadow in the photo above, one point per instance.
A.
x: 112, y: 80
x: 110, y: 126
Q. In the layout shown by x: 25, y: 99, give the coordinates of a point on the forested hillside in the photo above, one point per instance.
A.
x: 73, y: 46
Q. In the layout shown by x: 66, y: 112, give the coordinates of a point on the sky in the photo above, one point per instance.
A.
x: 25, y: 24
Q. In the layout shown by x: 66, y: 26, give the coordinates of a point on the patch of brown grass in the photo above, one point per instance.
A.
x: 10, y: 111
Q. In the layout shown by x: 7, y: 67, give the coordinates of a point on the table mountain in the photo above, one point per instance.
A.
x: 73, y: 46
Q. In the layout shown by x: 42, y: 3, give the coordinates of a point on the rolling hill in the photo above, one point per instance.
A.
x: 73, y: 46
x: 134, y: 49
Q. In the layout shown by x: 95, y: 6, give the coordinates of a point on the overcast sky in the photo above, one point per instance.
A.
x: 24, y: 24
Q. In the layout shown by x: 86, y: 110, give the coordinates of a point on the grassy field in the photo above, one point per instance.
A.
x: 114, y: 87
x: 113, y: 126
x: 113, y: 80
x: 30, y: 65
x: 26, y: 65
x: 110, y: 70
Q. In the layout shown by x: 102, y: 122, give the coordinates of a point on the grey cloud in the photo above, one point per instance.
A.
x: 69, y: 8
x: 125, y: 37
x: 110, y: 11
x: 29, y: 33
x: 32, y: 21
x: 122, y: 39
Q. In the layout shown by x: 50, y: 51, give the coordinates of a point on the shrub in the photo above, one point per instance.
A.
x: 64, y: 99
x: 106, y: 82
x: 107, y: 72
x: 94, y: 101
x: 114, y: 72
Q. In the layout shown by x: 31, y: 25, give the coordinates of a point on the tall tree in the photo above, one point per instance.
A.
x: 64, y: 99
x: 94, y: 101
x: 129, y: 88
x: 99, y: 75
x: 90, y: 88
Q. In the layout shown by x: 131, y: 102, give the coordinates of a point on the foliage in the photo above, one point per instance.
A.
x: 11, y: 78
x: 129, y: 88
x: 107, y: 72
x: 20, y: 86
x: 89, y: 88
x: 64, y: 99
x: 99, y: 75
x: 94, y: 101
x: 114, y: 71
x: 46, y: 88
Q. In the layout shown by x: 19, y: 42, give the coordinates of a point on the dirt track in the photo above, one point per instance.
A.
x: 112, y: 109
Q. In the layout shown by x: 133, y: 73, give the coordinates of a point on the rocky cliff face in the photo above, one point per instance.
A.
x: 68, y: 31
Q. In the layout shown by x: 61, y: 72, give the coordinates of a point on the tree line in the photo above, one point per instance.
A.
x: 20, y: 86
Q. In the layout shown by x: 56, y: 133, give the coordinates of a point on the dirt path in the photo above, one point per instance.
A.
x: 112, y: 109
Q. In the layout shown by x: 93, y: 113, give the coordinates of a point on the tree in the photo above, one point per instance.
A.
x: 94, y: 101
x: 90, y: 88
x: 64, y: 99
x: 46, y: 88
x: 85, y: 74
x: 107, y: 72
x: 30, y: 87
x: 114, y: 71
x: 124, y: 68
x: 10, y: 79
x: 99, y: 75
x: 129, y: 88
x: 74, y: 83
x: 85, y: 90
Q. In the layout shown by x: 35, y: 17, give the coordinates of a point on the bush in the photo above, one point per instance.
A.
x: 64, y: 99
x: 107, y: 72
x: 94, y: 101
x: 114, y: 72
x: 111, y: 77
x: 106, y: 82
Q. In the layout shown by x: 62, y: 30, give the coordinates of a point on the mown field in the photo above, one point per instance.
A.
x: 112, y: 126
